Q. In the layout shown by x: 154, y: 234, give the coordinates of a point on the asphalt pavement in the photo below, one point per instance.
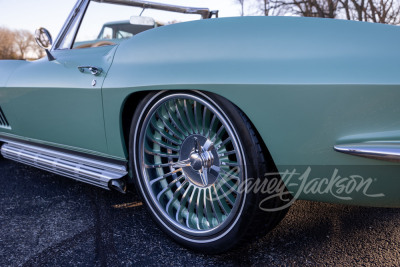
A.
x: 49, y: 220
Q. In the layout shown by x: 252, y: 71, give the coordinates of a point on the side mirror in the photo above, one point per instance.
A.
x: 44, y: 40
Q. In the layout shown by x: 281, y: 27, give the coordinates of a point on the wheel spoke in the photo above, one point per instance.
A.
x: 161, y: 143
x: 162, y: 192
x: 197, y: 117
x: 220, y: 130
x: 165, y: 134
x: 189, y: 116
x: 231, y: 186
x: 204, y: 176
x: 206, y: 120
x: 208, y: 215
x: 164, y: 176
x: 184, y: 201
x: 221, y: 204
x: 227, y: 153
x: 181, y: 116
x: 225, y: 194
x: 152, y: 166
x: 175, y: 121
x: 221, y: 145
x: 181, y: 164
x: 191, y: 206
x: 213, y: 120
x: 230, y: 174
x: 174, y: 198
x: 155, y: 153
x: 170, y: 127
x: 229, y: 163
x: 199, y: 209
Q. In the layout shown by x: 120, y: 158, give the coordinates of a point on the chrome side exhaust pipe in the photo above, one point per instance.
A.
x: 119, y: 185
x: 99, y: 173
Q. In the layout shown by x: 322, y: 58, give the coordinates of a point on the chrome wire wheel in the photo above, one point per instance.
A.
x: 191, y: 163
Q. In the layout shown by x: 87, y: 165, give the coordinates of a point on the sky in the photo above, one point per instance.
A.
x: 51, y: 14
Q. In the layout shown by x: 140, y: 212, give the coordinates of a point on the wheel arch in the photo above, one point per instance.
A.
x: 132, y: 100
x: 128, y: 109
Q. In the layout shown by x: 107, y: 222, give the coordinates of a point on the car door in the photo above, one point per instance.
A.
x: 57, y: 102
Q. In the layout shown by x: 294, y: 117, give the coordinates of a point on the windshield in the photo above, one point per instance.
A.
x: 108, y: 24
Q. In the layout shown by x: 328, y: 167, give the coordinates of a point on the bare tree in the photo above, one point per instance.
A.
x: 310, y: 8
x: 385, y: 11
x: 18, y: 44
x: 305, y: 8
x: 7, y: 46
x: 381, y: 11
x: 37, y: 51
x: 24, y: 41
x: 272, y: 7
x: 241, y: 3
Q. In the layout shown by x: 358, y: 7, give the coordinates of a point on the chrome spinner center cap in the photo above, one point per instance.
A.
x: 202, y: 165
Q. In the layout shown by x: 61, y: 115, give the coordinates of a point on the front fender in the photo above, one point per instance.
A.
x: 304, y: 83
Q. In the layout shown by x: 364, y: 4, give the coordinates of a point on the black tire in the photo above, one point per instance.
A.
x: 246, y: 220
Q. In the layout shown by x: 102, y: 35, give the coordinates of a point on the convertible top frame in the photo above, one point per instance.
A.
x: 204, y: 12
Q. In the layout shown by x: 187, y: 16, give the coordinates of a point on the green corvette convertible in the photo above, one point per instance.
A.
x: 220, y: 123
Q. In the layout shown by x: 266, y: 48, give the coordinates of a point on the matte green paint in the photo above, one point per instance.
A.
x: 299, y: 76
x: 306, y: 84
x: 54, y: 102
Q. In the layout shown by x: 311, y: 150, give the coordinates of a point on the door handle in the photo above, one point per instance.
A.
x: 93, y: 70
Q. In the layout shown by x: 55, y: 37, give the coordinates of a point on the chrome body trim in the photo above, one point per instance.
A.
x: 93, y: 70
x: 66, y: 27
x: 80, y: 168
x: 70, y: 150
x: 204, y: 12
x: 3, y: 121
x: 388, y: 151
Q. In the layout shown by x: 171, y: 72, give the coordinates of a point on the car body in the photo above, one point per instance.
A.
x: 321, y: 94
